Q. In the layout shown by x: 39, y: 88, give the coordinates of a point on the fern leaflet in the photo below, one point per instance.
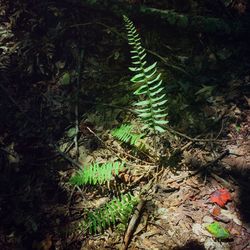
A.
x: 125, y: 134
x: 151, y: 109
x: 96, y: 173
x: 117, y: 210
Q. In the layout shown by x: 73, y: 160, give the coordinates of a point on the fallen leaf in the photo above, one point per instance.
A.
x: 232, y: 216
x: 207, y: 219
x: 220, y: 197
x: 218, y: 231
x: 199, y: 230
x: 216, y: 211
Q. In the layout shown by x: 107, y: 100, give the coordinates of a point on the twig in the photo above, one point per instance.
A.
x: 245, y: 246
x: 180, y: 178
x: 110, y: 105
x: 132, y: 224
x: 112, y: 150
x: 220, y: 157
x: 219, y: 179
x: 195, y: 139
x: 66, y: 157
x: 71, y: 195
x: 174, y: 67
x: 186, y: 146
x: 221, y: 129
x: 79, y: 76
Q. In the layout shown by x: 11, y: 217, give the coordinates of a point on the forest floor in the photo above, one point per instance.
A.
x: 179, y: 204
x: 40, y: 206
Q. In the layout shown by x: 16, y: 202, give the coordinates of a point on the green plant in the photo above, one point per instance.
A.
x: 117, y: 210
x: 151, y: 110
x: 125, y: 134
x: 151, y: 107
x: 96, y: 174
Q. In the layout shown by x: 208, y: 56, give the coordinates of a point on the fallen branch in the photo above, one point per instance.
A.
x: 132, y: 225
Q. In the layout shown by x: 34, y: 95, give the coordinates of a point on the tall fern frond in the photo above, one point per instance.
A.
x: 117, y: 210
x: 96, y: 174
x: 152, y: 108
x: 125, y: 134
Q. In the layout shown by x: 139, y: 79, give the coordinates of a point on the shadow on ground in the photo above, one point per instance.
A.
x: 31, y: 201
x: 191, y: 245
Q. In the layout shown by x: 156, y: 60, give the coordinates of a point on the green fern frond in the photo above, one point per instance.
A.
x: 152, y: 109
x: 117, y: 210
x: 96, y: 173
x: 125, y: 134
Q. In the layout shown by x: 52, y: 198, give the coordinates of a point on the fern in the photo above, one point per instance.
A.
x: 125, y: 134
x: 117, y: 210
x: 96, y: 173
x: 151, y: 109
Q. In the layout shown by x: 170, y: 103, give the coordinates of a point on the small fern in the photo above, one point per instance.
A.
x: 151, y: 109
x: 125, y: 134
x: 96, y: 174
x: 117, y: 210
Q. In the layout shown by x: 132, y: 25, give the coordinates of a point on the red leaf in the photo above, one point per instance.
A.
x: 220, y: 197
